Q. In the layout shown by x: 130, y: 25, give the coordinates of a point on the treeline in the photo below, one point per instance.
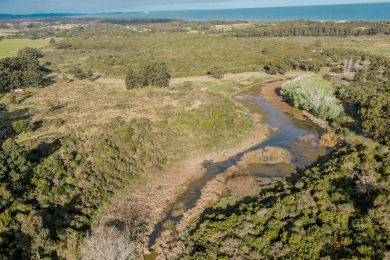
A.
x: 288, y: 29
x: 22, y: 71
x: 368, y: 67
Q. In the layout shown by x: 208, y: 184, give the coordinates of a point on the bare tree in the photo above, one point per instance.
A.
x: 109, y: 244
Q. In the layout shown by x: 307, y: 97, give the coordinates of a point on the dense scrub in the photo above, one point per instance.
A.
x: 153, y: 74
x: 368, y: 104
x: 50, y: 193
x: 337, y: 208
x: 309, y: 28
x: 313, y: 94
x: 54, y: 177
x: 22, y: 71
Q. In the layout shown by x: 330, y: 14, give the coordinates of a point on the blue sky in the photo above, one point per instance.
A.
x: 90, y: 6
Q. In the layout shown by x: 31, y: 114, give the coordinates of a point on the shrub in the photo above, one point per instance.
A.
x: 275, y: 69
x: 80, y: 73
x: 134, y: 80
x: 156, y: 74
x: 313, y: 94
x: 22, y: 71
x: 216, y: 72
x: 21, y: 126
x: 153, y: 74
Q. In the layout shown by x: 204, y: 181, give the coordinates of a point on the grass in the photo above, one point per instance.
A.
x: 189, y: 54
x: 5, y: 32
x: 9, y: 47
x: 193, y: 117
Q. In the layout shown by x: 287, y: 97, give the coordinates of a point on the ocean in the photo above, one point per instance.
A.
x: 342, y: 12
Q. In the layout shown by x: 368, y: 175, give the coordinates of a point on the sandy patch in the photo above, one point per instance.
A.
x: 268, y: 155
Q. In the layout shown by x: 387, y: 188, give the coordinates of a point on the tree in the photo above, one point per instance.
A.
x: 134, y: 79
x: 156, y: 74
x: 22, y: 71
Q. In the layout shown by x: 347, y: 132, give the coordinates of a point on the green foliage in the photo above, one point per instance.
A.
x: 49, y: 194
x: 153, y: 74
x: 156, y: 74
x: 134, y: 79
x: 313, y: 94
x: 337, y: 208
x: 21, y: 126
x: 311, y: 28
x: 21, y: 71
x: 369, y: 105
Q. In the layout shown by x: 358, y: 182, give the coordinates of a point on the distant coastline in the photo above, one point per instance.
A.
x: 339, y: 12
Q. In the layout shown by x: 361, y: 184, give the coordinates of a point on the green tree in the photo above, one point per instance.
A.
x: 22, y: 71
x: 156, y: 74
x: 134, y: 79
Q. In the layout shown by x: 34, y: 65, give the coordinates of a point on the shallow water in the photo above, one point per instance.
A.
x: 299, y: 137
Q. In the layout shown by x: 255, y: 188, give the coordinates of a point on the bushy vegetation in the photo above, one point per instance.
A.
x: 53, y: 182
x: 216, y: 72
x: 50, y: 193
x: 337, y: 208
x: 22, y: 71
x: 369, y: 105
x: 153, y: 74
x: 310, y: 28
x: 313, y: 94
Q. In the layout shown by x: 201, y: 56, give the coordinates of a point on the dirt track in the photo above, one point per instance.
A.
x: 235, y: 76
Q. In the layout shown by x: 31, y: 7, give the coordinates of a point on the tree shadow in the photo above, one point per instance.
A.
x: 362, y: 201
x: 57, y: 218
x: 44, y: 150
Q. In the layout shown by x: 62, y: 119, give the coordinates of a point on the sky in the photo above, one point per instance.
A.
x: 93, y: 6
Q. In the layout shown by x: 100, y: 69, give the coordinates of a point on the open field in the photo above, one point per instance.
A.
x: 5, y: 32
x: 9, y: 47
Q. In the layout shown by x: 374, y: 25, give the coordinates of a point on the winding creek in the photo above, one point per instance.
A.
x: 299, y: 137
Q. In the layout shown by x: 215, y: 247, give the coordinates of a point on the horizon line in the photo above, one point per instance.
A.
x: 206, y: 9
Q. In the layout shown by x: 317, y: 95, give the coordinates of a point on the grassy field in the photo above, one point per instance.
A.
x: 9, y: 47
x: 5, y: 32
x: 189, y: 54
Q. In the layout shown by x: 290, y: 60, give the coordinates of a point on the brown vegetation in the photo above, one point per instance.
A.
x: 329, y: 140
x: 241, y: 184
x: 268, y: 155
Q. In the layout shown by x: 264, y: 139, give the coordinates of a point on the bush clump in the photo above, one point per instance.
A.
x: 153, y: 74
x: 216, y: 72
x: 22, y: 71
x: 313, y: 94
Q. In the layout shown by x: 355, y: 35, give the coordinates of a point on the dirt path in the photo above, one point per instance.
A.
x: 200, y: 79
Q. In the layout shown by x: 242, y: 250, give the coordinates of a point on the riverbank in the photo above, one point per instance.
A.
x: 303, y: 145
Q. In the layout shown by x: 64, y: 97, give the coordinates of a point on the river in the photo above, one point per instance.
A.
x: 299, y: 137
